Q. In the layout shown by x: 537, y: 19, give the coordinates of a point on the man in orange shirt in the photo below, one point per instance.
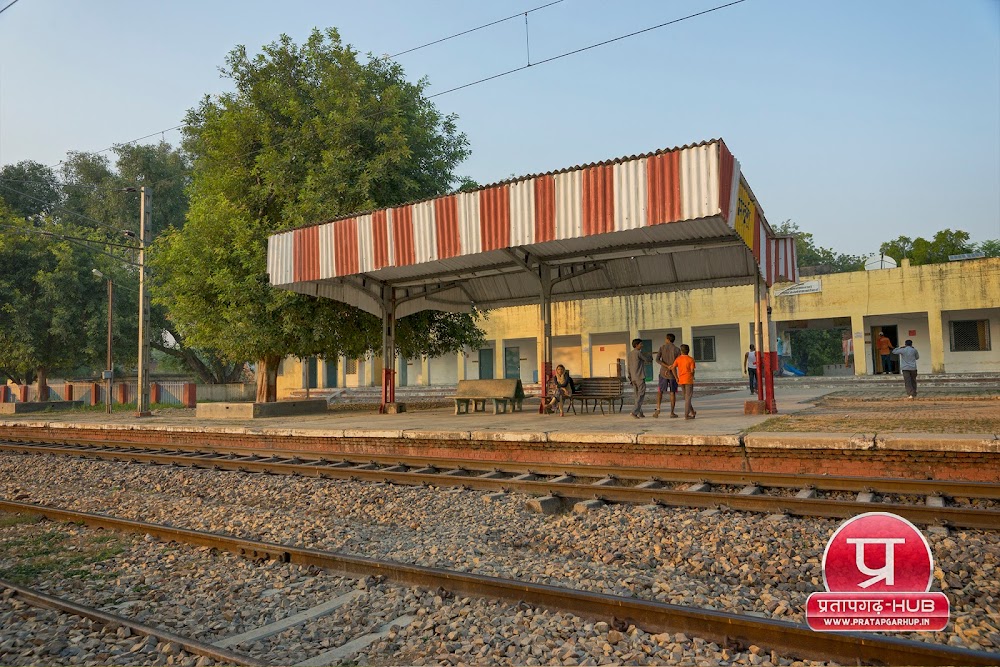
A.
x: 684, y: 367
x: 884, y: 347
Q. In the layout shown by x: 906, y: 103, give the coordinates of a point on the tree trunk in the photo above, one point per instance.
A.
x: 267, y: 379
x: 43, y: 385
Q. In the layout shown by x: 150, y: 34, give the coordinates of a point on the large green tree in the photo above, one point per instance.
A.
x: 50, y: 301
x: 310, y: 132
x: 29, y: 188
x: 934, y: 251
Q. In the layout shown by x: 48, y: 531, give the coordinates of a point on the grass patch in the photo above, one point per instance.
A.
x: 27, y: 557
x: 8, y: 520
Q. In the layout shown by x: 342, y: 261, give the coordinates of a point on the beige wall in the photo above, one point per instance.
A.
x: 923, y: 298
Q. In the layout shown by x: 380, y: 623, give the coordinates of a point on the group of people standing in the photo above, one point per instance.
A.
x: 677, y: 368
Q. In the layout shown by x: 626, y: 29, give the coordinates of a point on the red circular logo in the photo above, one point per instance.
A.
x: 878, y: 552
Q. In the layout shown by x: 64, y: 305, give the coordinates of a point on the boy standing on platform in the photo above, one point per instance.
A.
x: 666, y: 356
x: 684, y: 366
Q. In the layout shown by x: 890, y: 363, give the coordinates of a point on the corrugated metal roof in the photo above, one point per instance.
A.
x: 630, y: 214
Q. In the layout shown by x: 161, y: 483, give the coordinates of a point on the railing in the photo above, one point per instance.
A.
x: 125, y: 391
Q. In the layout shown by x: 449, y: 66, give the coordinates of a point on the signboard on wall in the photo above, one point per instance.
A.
x: 745, y: 216
x: 805, y: 287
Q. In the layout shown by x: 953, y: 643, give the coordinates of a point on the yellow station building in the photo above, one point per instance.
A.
x: 951, y: 312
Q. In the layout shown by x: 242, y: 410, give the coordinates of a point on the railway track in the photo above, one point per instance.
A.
x: 37, y: 598
x: 925, y: 502
x: 651, y: 616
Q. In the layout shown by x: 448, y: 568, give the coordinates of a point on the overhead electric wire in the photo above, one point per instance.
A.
x: 394, y: 55
x: 32, y: 230
x: 124, y: 143
x: 585, y: 48
x: 466, y: 32
x: 75, y: 240
x: 100, y: 223
x: 494, y: 76
x: 12, y: 3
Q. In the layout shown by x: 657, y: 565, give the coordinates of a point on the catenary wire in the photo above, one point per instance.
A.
x: 105, y: 225
x: 582, y: 49
x: 12, y: 3
x: 499, y: 75
x: 470, y: 30
x: 394, y: 55
x: 503, y: 74
x: 68, y: 237
x: 75, y: 241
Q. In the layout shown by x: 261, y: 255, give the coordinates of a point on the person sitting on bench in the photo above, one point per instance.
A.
x: 562, y: 389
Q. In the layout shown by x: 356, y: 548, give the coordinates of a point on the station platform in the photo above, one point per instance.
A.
x: 721, y: 438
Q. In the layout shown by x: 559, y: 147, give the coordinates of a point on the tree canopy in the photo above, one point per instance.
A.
x: 937, y: 250
x: 309, y: 133
x: 813, y: 255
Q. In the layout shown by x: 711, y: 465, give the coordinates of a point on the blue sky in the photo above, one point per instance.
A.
x: 859, y: 120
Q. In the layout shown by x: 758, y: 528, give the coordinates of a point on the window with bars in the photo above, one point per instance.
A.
x: 970, y: 336
x: 351, y: 368
x: 703, y: 348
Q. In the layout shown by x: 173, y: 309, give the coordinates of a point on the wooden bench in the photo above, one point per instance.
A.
x: 479, y: 392
x: 600, y: 390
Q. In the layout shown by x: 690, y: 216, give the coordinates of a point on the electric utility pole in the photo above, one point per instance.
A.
x: 145, y: 236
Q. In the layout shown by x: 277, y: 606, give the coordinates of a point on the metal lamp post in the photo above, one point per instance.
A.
x: 108, y: 374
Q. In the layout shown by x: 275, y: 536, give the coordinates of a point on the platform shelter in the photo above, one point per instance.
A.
x: 675, y: 219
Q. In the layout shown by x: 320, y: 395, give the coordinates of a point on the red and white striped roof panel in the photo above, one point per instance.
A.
x: 681, y: 184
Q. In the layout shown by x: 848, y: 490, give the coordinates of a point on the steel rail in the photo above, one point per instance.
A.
x: 951, y: 488
x: 959, y: 517
x: 220, y: 655
x: 650, y: 616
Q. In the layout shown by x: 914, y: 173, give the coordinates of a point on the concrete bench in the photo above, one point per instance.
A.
x: 479, y: 392
x: 600, y: 390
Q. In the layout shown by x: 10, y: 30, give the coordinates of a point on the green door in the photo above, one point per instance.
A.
x: 647, y: 348
x: 312, y: 373
x: 486, y: 363
x: 512, y: 363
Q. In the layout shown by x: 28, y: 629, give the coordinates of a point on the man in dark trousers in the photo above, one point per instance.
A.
x: 908, y: 356
x: 884, y: 347
x: 665, y: 356
x: 636, y: 364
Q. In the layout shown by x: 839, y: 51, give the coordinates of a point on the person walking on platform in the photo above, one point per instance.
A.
x: 908, y: 356
x: 750, y: 367
x: 636, y: 365
x: 884, y: 347
x: 667, y: 382
x: 684, y: 365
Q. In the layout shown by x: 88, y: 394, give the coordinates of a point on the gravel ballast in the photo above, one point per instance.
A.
x: 732, y: 561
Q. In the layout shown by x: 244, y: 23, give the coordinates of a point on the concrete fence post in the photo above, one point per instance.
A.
x: 67, y: 392
x: 3, y: 393
x: 154, y: 392
x: 95, y: 393
x: 22, y: 393
x: 190, y: 395
x: 122, y: 393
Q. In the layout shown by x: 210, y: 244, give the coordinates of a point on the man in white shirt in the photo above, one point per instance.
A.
x: 750, y: 368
